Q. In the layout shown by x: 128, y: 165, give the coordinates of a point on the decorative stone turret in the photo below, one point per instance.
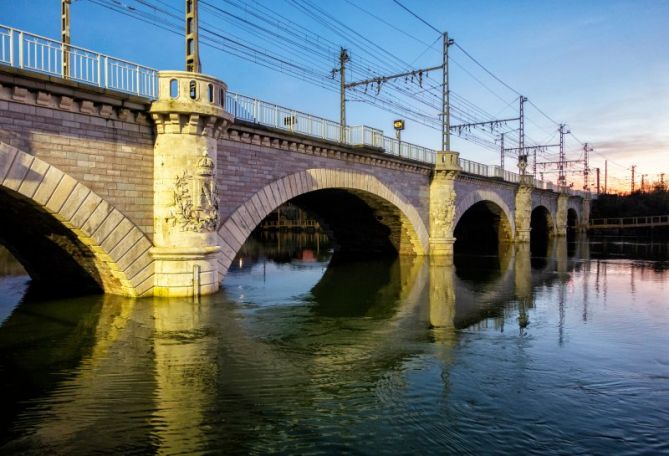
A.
x: 523, y: 208
x: 442, y: 203
x: 189, y: 116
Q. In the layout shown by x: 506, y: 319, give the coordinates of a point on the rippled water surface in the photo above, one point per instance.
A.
x: 567, y: 354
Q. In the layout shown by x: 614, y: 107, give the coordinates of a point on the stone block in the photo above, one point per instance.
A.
x: 86, y: 210
x: 60, y: 194
x: 140, y: 268
x: 74, y: 201
x: 140, y: 248
x: 7, y: 157
x: 48, y: 185
x: 125, y: 244
x: 116, y: 233
x: 18, y: 171
x: 33, y: 178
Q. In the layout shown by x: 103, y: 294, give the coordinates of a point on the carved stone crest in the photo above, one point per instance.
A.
x: 195, y: 205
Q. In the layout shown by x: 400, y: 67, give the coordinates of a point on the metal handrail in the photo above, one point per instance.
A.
x: 37, y: 53
x: 644, y: 220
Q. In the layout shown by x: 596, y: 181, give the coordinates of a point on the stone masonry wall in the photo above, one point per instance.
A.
x: 249, y: 159
x: 104, y: 142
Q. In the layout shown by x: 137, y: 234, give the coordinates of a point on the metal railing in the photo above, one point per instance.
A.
x: 492, y: 171
x: 43, y: 55
x: 630, y: 222
x: 275, y: 116
x: 32, y: 52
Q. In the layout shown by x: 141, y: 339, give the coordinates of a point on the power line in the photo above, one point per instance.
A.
x: 417, y: 17
x: 487, y: 70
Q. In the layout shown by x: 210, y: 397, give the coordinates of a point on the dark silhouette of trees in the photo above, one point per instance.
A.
x: 655, y: 202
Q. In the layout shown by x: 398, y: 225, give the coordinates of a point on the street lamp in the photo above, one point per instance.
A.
x: 398, y: 125
x: 522, y: 163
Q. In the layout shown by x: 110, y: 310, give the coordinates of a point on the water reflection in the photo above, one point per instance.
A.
x: 301, y: 356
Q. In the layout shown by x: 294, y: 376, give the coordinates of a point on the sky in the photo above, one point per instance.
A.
x: 601, y: 67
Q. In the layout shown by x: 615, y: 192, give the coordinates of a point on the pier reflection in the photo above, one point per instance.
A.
x: 172, y: 376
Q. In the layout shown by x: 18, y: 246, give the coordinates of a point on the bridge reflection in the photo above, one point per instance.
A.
x: 179, y: 369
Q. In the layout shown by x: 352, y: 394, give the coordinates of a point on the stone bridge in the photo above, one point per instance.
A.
x: 116, y: 192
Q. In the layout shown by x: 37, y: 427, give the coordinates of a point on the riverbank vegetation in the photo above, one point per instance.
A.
x: 636, y: 204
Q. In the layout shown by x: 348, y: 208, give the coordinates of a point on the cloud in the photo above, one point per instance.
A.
x: 636, y: 147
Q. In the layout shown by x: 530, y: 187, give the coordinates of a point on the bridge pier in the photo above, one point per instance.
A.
x: 585, y: 214
x: 442, y: 203
x: 189, y: 118
x: 523, y: 211
x: 561, y: 214
x: 441, y: 293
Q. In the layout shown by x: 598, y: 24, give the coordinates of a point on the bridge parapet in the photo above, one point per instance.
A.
x: 28, y: 51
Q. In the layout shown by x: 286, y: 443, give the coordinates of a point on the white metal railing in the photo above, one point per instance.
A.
x: 32, y: 52
x: 43, y: 55
x: 275, y: 116
x: 630, y: 222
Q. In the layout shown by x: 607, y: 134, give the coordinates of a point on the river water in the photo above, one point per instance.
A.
x: 507, y: 354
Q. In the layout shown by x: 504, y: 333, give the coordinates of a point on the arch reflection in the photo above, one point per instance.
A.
x: 171, y: 376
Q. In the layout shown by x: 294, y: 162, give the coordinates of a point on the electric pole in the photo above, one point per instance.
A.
x: 562, y: 180
x: 633, y: 168
x: 343, y: 58
x: 65, y: 36
x: 586, y: 169
x: 643, y: 182
x: 501, y: 152
x: 606, y: 176
x: 445, y: 95
x: 521, y: 129
x: 598, y: 180
x: 192, y: 38
x: 662, y: 181
x: 378, y: 80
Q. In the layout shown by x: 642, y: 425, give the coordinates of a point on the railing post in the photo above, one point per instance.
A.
x: 63, y: 61
x: 106, y: 65
x: 139, y: 92
x: 11, y: 47
x: 20, y: 49
x: 99, y: 72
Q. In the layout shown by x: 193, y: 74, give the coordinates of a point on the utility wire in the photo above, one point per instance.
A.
x: 417, y: 17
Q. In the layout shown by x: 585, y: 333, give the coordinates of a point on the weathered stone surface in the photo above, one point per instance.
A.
x: 443, y: 203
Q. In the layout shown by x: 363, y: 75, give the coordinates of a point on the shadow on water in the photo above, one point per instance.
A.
x: 40, y: 342
x: 354, y: 289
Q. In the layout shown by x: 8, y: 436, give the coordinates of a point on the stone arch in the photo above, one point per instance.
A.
x: 112, y: 249
x: 477, y: 196
x: 574, y: 204
x: 546, y: 213
x: 542, y: 229
x: 573, y: 218
x: 237, y: 228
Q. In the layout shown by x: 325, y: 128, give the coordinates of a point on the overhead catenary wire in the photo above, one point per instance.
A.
x: 278, y: 40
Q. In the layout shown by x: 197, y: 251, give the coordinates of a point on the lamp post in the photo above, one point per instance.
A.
x: 399, y: 126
